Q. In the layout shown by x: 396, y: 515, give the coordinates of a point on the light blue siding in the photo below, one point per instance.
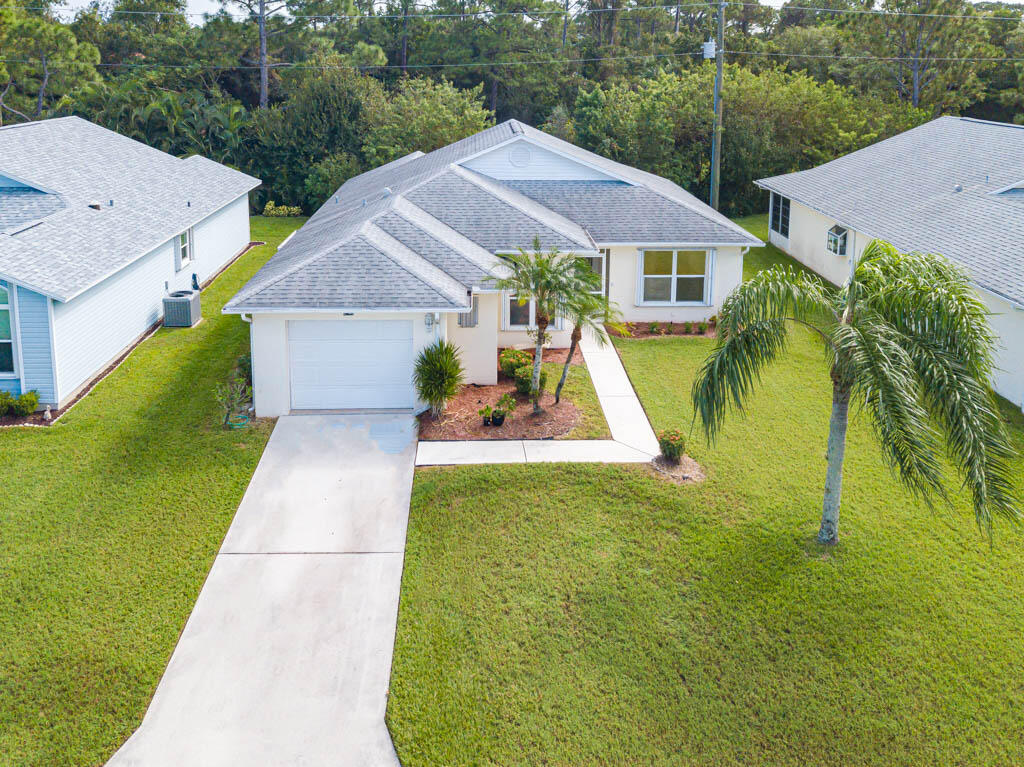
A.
x: 95, y: 328
x: 12, y: 385
x: 34, y: 341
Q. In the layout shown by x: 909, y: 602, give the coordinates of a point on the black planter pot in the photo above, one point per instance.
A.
x: 497, y: 420
x: 487, y: 420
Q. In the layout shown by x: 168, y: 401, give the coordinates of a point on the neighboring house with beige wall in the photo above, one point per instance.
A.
x: 409, y: 252
x: 953, y: 186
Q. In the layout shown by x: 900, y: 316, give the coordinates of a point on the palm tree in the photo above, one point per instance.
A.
x: 548, y: 279
x: 587, y: 310
x: 908, y: 341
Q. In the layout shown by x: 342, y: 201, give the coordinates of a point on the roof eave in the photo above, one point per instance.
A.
x: 243, y: 309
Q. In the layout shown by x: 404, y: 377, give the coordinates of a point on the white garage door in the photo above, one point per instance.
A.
x: 342, y: 364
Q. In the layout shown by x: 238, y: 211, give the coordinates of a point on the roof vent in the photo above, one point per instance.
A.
x: 95, y: 205
x: 111, y: 203
x: 958, y: 188
x: 386, y: 191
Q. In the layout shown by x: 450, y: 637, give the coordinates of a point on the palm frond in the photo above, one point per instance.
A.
x: 779, y: 293
x: 883, y: 379
x: 976, y: 439
x: 730, y: 372
x: 927, y: 296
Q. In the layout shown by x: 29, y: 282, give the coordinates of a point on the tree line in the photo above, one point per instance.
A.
x: 306, y: 93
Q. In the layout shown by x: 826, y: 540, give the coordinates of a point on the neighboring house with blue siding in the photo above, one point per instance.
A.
x: 95, y: 229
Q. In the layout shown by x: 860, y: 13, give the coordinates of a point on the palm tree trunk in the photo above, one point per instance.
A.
x: 829, y: 532
x: 577, y: 333
x: 542, y: 326
x: 261, y: 20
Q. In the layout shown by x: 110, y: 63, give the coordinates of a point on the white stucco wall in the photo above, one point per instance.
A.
x: 1008, y: 323
x: 270, y: 366
x: 478, y: 346
x: 807, y: 237
x: 93, y: 329
x: 623, y: 269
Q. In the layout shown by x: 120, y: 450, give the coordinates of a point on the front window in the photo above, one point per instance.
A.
x: 780, y: 215
x: 6, y: 331
x: 674, y: 276
x: 184, y: 249
x: 837, y: 241
x: 520, y: 315
x: 599, y: 265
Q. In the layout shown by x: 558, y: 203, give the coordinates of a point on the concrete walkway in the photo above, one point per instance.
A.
x: 286, y: 658
x: 633, y: 439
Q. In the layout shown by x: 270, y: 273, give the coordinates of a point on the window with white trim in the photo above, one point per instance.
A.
x: 6, y: 331
x: 520, y: 316
x: 674, y: 276
x: 779, y: 219
x: 836, y: 240
x: 184, y: 250
x: 599, y: 265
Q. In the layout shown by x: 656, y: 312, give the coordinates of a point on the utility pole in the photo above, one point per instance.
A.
x: 716, y: 139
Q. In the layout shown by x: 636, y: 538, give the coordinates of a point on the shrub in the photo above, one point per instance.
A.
x: 26, y: 404
x: 438, y: 374
x: 702, y: 327
x: 233, y: 397
x: 506, y: 404
x: 672, y: 445
x: 281, y: 211
x: 654, y: 328
x: 688, y: 328
x: 244, y: 368
x: 524, y: 379
x: 6, y: 403
x: 511, y: 360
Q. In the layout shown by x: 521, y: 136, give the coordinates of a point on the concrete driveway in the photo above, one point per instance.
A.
x: 286, y: 657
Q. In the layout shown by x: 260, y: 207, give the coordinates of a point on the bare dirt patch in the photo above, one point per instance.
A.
x: 461, y: 420
x: 556, y: 356
x: 686, y: 472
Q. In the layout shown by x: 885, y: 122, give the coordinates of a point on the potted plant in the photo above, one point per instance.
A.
x: 486, y: 413
x: 506, y: 404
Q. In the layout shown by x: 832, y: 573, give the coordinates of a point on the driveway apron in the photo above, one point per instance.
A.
x: 286, y: 657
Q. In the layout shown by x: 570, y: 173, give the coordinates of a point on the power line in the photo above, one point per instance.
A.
x: 560, y: 12
x: 947, y: 59
x: 329, y: 67
x: 878, y: 12
x: 391, y: 17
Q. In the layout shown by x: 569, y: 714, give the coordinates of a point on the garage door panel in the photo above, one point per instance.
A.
x: 347, y: 364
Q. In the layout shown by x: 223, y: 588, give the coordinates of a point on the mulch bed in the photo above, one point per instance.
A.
x: 686, y: 472
x: 663, y: 330
x: 460, y: 419
x: 555, y: 355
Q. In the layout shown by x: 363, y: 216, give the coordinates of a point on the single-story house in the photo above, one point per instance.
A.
x: 953, y: 186
x: 95, y: 228
x: 406, y: 253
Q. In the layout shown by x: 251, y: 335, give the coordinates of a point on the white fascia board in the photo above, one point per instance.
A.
x: 254, y: 310
x: 677, y: 245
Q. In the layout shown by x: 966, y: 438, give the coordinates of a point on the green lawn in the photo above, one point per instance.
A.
x: 579, y: 390
x: 109, y: 522
x: 581, y: 615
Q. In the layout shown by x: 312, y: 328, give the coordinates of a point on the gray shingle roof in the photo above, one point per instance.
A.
x: 156, y: 196
x: 356, y: 275
x: 617, y: 212
x: 905, y: 190
x: 21, y: 206
x: 457, y: 221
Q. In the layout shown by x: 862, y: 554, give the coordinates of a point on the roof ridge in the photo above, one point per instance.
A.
x: 529, y: 209
x: 408, y: 211
x: 440, y: 280
x: 418, y: 277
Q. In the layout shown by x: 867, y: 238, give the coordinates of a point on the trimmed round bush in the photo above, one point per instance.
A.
x: 523, y: 377
x: 438, y: 374
x: 26, y: 404
x: 6, y: 403
x: 511, y: 360
x: 672, y: 445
